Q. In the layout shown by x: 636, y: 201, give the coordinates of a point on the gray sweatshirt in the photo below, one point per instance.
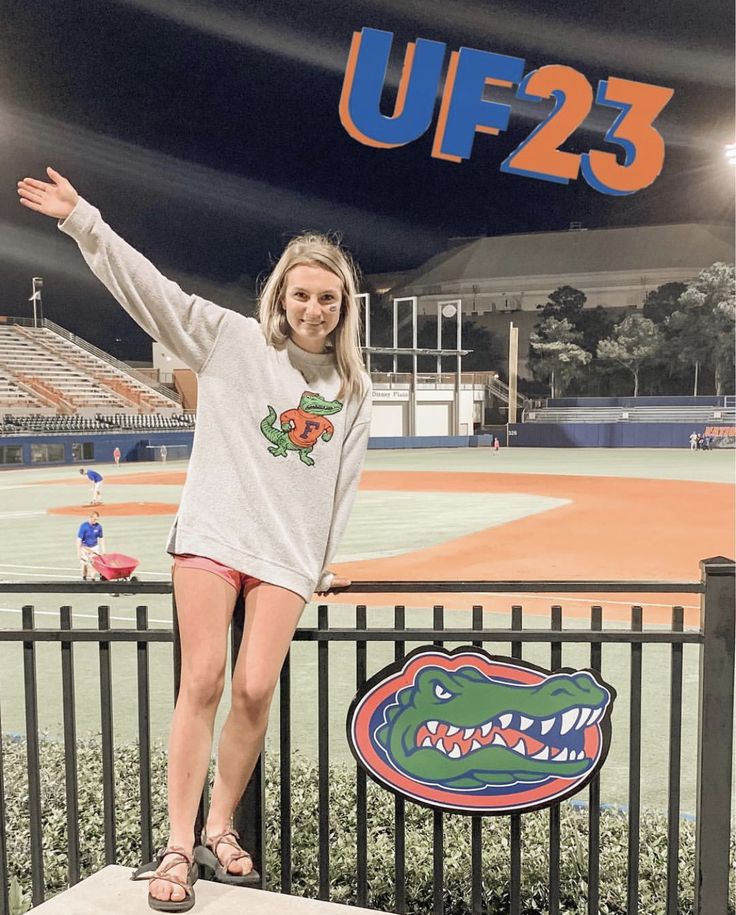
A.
x: 276, y: 457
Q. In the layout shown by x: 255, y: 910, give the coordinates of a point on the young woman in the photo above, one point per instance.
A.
x: 282, y: 427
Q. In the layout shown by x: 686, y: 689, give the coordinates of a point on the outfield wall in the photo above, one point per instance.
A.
x: 84, y: 448
x: 134, y: 447
x: 74, y: 448
x: 615, y: 435
x: 430, y: 441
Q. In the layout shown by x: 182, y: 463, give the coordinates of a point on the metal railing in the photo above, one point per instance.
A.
x: 715, y: 636
x: 500, y: 389
x: 447, y: 379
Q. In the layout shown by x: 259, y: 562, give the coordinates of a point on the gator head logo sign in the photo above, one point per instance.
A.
x: 464, y: 731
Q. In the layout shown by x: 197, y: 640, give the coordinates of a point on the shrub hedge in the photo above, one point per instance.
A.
x: 535, y: 862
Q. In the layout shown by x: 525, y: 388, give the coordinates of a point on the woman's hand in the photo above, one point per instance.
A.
x: 336, y: 583
x: 57, y: 199
x: 340, y: 583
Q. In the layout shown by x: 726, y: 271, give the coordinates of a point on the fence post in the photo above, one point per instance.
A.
x: 715, y: 736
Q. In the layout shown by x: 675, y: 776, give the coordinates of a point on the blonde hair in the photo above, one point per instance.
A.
x: 313, y: 249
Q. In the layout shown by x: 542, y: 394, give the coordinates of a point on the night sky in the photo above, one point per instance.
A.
x: 208, y: 132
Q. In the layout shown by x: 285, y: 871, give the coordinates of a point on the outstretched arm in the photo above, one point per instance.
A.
x: 187, y: 325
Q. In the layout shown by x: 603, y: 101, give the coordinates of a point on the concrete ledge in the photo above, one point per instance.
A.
x: 112, y: 890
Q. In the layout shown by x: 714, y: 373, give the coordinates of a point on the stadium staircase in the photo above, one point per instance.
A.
x: 47, y: 391
x: 497, y: 388
x: 15, y: 395
x: 69, y: 375
x: 111, y: 890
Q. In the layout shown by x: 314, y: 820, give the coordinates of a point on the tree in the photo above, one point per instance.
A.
x: 594, y: 324
x: 662, y: 301
x: 634, y: 340
x: 667, y: 373
x: 565, y: 302
x: 701, y: 331
x: 686, y: 342
x: 557, y: 353
x: 568, y: 303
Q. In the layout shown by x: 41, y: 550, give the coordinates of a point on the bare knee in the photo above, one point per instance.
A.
x: 202, y: 689
x: 252, y: 700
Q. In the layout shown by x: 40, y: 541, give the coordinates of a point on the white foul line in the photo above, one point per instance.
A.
x: 84, y: 616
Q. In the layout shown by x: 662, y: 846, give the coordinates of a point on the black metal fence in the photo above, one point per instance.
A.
x: 715, y: 636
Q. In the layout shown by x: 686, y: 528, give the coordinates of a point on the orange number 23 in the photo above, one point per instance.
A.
x: 639, y: 104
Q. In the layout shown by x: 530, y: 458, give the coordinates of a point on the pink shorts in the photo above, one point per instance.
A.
x: 238, y: 580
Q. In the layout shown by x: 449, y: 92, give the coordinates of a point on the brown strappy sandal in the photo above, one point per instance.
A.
x: 154, y: 871
x: 206, y: 856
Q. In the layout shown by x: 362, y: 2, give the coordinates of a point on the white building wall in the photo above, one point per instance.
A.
x: 435, y: 410
x: 434, y: 418
x: 390, y: 419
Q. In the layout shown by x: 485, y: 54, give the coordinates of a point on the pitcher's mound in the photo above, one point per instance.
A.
x: 117, y: 509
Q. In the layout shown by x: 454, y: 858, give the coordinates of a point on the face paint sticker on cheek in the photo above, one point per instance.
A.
x: 333, y: 308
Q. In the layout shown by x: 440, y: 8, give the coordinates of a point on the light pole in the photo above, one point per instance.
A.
x: 36, y: 299
x: 514, y: 371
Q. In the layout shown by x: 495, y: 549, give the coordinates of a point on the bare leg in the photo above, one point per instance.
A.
x: 272, y: 614
x: 204, y: 604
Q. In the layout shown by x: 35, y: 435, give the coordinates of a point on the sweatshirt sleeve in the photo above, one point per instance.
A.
x: 351, y: 465
x: 187, y: 325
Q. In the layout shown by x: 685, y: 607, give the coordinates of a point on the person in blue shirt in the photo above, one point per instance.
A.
x: 89, y: 539
x: 96, y: 480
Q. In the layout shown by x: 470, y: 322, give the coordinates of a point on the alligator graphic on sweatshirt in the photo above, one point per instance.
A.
x: 301, y: 428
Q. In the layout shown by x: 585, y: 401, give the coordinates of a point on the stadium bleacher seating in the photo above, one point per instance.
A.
x: 634, y: 414
x: 35, y: 423
x: 46, y: 369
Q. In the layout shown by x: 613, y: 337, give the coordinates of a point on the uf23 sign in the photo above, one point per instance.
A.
x: 464, y: 111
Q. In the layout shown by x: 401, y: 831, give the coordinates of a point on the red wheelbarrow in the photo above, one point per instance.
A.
x: 112, y: 566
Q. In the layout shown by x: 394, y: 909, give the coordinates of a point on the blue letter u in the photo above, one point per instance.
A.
x: 365, y: 77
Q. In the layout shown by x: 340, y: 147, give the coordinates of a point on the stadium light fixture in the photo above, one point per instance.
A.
x: 36, y: 299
